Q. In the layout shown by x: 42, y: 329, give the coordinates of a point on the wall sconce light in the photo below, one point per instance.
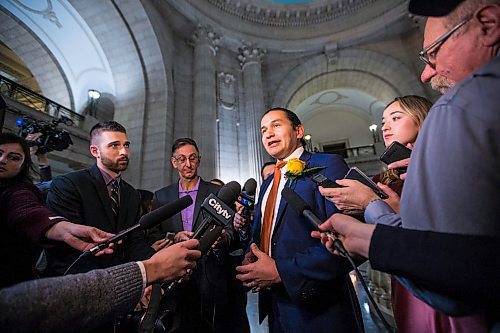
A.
x: 94, y: 96
x: 373, y: 129
x: 308, y: 138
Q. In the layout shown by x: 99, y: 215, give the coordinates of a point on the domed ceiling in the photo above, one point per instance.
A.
x: 296, y: 24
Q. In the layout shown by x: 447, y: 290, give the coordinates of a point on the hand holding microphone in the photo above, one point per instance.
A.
x: 244, y: 208
x: 303, y: 209
x: 147, y: 221
x: 355, y: 235
x: 80, y: 237
x: 173, y: 262
x: 217, y: 215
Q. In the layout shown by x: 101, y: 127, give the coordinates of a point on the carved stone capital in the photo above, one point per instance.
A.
x: 205, y: 35
x: 250, y: 53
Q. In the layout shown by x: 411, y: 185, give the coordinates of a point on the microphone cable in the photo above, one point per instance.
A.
x: 303, y: 209
x: 339, y: 247
x: 82, y: 255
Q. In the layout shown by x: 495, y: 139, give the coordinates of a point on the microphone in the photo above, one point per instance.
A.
x: 147, y: 221
x: 303, y: 209
x: 250, y: 187
x: 247, y: 197
x: 219, y: 215
x: 217, y: 209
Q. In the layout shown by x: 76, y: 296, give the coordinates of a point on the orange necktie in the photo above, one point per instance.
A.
x: 267, y: 220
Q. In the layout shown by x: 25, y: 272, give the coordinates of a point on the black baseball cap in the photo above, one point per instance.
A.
x: 433, y: 7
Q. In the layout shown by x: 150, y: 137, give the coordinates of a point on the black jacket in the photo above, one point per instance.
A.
x: 82, y: 198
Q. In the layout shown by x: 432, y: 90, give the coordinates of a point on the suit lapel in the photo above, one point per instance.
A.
x: 306, y: 156
x: 173, y: 194
x: 102, y: 193
x: 124, y: 205
x: 200, y: 196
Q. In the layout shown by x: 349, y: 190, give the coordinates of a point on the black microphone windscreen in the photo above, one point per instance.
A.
x: 250, y: 186
x: 209, y: 238
x: 229, y: 192
x: 164, y: 212
x: 297, y: 203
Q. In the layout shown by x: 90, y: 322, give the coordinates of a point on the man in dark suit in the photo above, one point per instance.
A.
x: 303, y: 287
x: 199, y: 303
x: 98, y: 197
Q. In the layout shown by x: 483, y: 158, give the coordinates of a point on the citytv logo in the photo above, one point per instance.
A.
x: 219, y: 209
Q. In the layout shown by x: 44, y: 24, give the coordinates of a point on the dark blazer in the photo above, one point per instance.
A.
x: 210, y: 272
x: 452, y: 264
x: 316, y: 294
x: 82, y: 197
x: 207, y: 289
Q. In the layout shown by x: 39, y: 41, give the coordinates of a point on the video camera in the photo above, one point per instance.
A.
x: 52, y: 138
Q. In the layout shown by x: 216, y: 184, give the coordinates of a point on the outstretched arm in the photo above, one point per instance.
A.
x: 81, y: 302
x: 451, y: 264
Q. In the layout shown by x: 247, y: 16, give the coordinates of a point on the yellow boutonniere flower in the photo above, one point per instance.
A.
x: 296, y: 168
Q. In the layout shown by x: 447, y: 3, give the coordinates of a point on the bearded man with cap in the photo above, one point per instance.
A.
x: 453, y: 181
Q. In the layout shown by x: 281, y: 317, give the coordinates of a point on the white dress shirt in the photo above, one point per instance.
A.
x: 296, y: 154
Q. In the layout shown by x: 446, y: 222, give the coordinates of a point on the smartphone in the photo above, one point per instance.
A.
x: 356, y: 174
x: 395, y: 152
x: 321, y: 180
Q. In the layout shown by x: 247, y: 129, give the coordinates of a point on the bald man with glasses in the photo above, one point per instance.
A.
x: 201, y: 304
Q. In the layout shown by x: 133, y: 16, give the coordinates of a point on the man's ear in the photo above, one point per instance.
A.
x: 172, y: 160
x: 489, y: 19
x: 300, y: 131
x: 94, y: 151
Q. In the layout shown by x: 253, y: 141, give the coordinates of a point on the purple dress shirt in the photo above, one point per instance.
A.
x: 188, y: 213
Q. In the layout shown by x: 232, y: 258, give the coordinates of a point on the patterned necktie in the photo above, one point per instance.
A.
x: 267, y: 220
x: 115, y: 198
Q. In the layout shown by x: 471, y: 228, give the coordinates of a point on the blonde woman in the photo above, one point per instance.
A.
x: 401, y: 121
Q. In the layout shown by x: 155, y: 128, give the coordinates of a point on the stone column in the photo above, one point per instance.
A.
x: 253, y: 104
x: 204, y: 99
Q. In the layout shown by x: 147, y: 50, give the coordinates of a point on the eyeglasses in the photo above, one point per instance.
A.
x: 430, y: 57
x: 181, y: 159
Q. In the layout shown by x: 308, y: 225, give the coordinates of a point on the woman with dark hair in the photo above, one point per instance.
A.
x: 20, y: 168
x: 24, y: 221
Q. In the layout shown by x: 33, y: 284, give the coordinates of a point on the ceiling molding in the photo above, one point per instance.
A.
x: 294, y: 27
x: 290, y: 15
